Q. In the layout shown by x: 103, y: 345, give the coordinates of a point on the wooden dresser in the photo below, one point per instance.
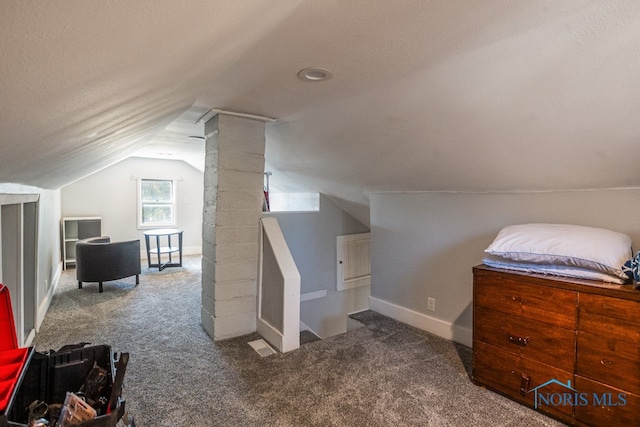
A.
x: 569, y: 348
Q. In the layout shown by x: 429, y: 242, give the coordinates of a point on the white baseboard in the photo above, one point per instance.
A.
x: 192, y: 250
x: 29, y: 338
x: 422, y: 321
x: 274, y: 337
x: 187, y: 250
x: 313, y: 295
x: 46, y: 301
x: 270, y: 334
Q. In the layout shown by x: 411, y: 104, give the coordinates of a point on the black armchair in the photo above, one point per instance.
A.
x: 100, y: 260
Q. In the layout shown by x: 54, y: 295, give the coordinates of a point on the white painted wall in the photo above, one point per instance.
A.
x: 425, y: 244
x: 311, y: 237
x: 112, y: 194
x: 49, y: 265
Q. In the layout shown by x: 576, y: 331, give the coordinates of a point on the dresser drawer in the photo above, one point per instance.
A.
x: 610, y: 361
x: 517, y: 377
x: 609, y: 407
x: 544, y: 343
x: 542, y: 303
x: 626, y: 310
x: 609, y: 327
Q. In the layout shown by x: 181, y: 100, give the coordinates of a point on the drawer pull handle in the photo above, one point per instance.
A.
x: 606, y: 362
x: 521, y: 341
x: 524, y: 383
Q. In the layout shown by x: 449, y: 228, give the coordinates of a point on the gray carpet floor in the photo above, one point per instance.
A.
x: 382, y: 374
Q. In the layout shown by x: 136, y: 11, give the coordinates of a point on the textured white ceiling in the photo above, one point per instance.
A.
x: 491, y: 95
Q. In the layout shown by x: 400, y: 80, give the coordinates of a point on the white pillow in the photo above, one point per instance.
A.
x: 561, y: 244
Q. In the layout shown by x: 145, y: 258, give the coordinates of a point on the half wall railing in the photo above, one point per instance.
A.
x: 278, y: 290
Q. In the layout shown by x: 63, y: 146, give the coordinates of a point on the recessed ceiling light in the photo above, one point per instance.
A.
x: 315, y: 74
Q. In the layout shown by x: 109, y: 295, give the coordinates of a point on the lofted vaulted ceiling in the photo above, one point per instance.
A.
x: 451, y: 95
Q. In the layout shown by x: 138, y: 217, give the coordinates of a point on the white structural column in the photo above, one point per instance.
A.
x: 233, y: 185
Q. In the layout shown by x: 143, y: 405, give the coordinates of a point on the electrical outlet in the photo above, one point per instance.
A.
x: 431, y: 304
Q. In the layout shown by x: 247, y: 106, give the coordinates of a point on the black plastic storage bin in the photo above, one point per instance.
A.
x: 48, y: 377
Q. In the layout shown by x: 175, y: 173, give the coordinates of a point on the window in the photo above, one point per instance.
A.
x: 156, y: 207
x: 294, y: 202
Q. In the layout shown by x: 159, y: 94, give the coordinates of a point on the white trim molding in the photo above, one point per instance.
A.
x: 422, y: 321
x: 215, y: 111
x: 313, y: 295
x: 286, y: 338
x: 46, y: 301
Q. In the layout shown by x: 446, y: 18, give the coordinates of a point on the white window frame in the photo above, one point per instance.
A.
x: 174, y: 189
